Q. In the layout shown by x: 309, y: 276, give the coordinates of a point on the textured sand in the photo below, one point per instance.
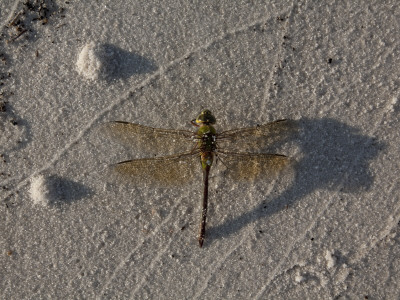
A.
x: 326, y: 229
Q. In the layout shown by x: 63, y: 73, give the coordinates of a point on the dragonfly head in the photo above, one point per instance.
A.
x: 205, y: 117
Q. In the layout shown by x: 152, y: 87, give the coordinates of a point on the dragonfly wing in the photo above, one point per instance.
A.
x: 166, y: 170
x: 251, y: 166
x: 246, y: 139
x: 149, y: 139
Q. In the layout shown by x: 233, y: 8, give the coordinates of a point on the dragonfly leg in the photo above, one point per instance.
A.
x: 195, y: 149
x: 193, y: 122
x: 218, y: 158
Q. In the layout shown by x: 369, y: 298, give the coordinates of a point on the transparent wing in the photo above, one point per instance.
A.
x: 148, y: 139
x: 165, y: 171
x: 251, y: 166
x: 260, y: 136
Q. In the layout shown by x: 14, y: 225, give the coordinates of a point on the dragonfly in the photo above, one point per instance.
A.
x: 200, y: 149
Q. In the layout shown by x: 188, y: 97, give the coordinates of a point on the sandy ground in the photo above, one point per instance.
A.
x: 328, y: 228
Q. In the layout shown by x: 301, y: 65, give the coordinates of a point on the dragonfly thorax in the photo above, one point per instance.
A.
x: 206, y: 136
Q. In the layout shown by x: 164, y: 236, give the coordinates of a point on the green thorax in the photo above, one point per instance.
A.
x: 206, y: 136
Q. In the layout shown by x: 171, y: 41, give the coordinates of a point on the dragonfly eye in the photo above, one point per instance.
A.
x: 205, y: 117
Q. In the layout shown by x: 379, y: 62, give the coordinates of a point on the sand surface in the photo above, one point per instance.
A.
x: 326, y: 228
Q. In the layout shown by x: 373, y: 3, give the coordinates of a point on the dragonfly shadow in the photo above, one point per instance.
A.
x: 335, y: 157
